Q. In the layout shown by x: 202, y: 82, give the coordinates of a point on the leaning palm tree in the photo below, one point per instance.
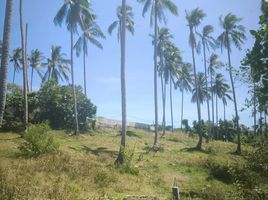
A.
x: 4, y: 57
x: 194, y: 19
x: 214, y: 64
x: 118, y: 23
x: 16, y: 59
x: 57, y: 66
x: 203, y: 93
x: 184, y: 83
x: 233, y: 34
x: 73, y: 12
x: 157, y: 15
x: 91, y: 31
x: 35, y: 63
x: 164, y: 38
x: 207, y: 42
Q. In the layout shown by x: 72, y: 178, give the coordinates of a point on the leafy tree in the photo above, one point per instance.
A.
x: 194, y: 19
x: 57, y: 66
x: 16, y: 58
x: 4, y: 57
x: 35, y: 63
x: 73, y: 13
x: 233, y: 33
x: 157, y: 15
x: 91, y: 33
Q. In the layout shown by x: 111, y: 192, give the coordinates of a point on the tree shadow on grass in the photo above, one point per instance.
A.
x: 194, y: 149
x: 100, y: 151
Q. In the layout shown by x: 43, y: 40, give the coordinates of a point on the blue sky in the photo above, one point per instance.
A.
x: 104, y: 65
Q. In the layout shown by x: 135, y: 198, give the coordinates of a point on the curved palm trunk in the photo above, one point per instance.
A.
x: 199, y: 144
x: 24, y: 71
x: 182, y: 95
x: 205, y: 65
x: 238, y: 150
x: 164, y: 104
x: 171, y: 106
x: 26, y: 58
x: 155, y: 75
x: 73, y: 86
x: 4, y: 60
x: 212, y: 101
x: 85, y: 72
x: 120, y: 158
x: 14, y: 74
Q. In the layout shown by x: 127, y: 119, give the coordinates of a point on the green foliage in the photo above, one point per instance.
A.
x: 258, y: 161
x: 103, y: 178
x: 38, y: 140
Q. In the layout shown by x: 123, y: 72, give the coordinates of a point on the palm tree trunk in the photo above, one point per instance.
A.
x: 120, y: 158
x: 205, y: 65
x: 14, y: 74
x: 212, y: 101
x: 5, y: 57
x: 155, y: 75
x: 217, y: 119
x: 171, y: 107
x: 24, y: 71
x: 224, y: 111
x: 182, y: 94
x: 26, y: 58
x: 254, y: 108
x: 199, y: 144
x: 85, y: 72
x: 32, y: 79
x: 164, y: 105
x: 238, y: 150
x: 73, y: 86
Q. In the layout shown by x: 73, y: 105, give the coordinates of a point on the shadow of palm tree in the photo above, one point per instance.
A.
x: 100, y: 150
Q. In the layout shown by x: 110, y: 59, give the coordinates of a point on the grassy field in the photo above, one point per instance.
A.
x: 84, y: 167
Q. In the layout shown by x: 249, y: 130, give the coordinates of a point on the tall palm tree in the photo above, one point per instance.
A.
x: 157, y: 15
x: 214, y: 64
x: 35, y: 63
x: 184, y: 82
x: 57, y: 66
x: 233, y: 34
x: 207, y: 42
x: 4, y: 57
x: 203, y: 93
x: 118, y: 23
x: 91, y: 31
x: 73, y: 12
x: 164, y: 38
x: 16, y: 58
x: 1, y: 48
x: 194, y: 19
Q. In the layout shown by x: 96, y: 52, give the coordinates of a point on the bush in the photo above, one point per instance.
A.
x: 38, y: 140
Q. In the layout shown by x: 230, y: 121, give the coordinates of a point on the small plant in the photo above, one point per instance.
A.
x: 103, y: 178
x: 38, y: 140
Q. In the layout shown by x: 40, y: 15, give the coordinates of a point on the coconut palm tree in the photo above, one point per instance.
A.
x: 1, y: 48
x: 214, y: 64
x: 203, y: 93
x: 184, y: 83
x: 91, y: 31
x: 157, y: 15
x: 164, y: 38
x: 233, y: 33
x: 207, y: 42
x: 118, y: 23
x: 16, y: 59
x: 35, y: 63
x: 194, y: 19
x: 57, y: 66
x: 4, y: 57
x: 73, y: 12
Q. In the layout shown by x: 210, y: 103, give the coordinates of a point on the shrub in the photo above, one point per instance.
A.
x: 103, y: 178
x: 38, y: 140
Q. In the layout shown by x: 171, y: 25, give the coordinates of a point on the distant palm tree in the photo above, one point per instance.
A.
x: 4, y: 57
x: 185, y: 82
x: 207, y: 42
x: 164, y: 38
x: 194, y: 19
x: 91, y: 31
x: 232, y: 34
x: 118, y: 23
x: 1, y: 48
x: 213, y: 64
x: 203, y: 93
x: 57, y: 66
x: 73, y: 13
x: 16, y: 58
x: 157, y: 14
x: 35, y: 63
